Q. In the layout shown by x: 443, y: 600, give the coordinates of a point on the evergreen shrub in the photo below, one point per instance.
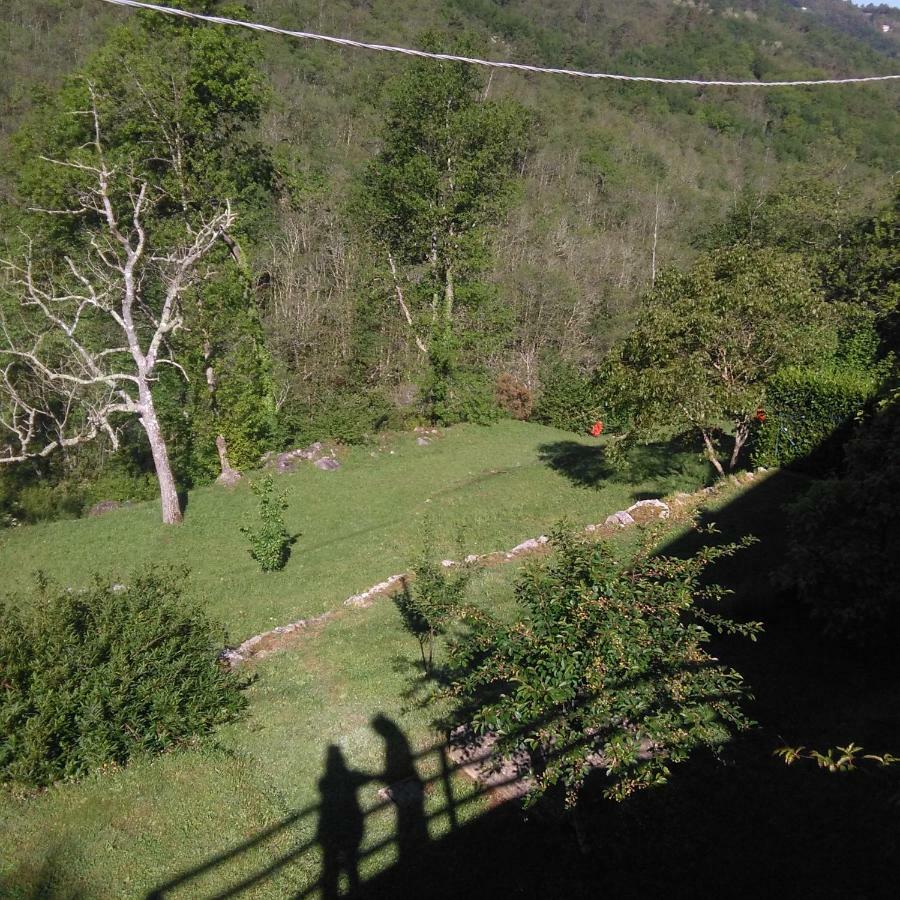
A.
x: 349, y: 417
x: 808, y: 415
x: 843, y: 538
x: 568, y: 399
x: 98, y: 676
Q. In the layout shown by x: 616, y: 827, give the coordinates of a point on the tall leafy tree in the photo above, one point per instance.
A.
x: 707, y: 340
x: 431, y: 197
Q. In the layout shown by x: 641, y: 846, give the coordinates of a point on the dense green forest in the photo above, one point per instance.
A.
x: 319, y: 320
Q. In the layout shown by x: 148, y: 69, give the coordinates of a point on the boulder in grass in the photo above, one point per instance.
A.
x: 648, y: 511
x: 229, y: 478
x: 408, y: 792
x: 327, y: 464
x: 291, y: 459
x: 104, y: 507
x: 620, y: 519
x: 507, y: 777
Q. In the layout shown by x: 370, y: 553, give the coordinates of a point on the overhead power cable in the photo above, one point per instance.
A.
x: 493, y: 64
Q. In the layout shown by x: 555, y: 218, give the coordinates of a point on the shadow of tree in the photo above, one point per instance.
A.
x: 669, y: 463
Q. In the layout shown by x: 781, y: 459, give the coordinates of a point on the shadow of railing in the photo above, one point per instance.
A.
x: 337, y: 846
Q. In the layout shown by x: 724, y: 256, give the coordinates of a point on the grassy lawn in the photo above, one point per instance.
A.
x: 247, y: 816
x: 356, y: 526
x: 125, y: 832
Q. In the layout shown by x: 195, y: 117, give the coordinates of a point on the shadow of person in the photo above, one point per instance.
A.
x: 340, y: 824
x: 404, y: 788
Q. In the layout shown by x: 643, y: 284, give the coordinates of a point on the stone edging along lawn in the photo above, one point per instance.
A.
x: 641, y: 513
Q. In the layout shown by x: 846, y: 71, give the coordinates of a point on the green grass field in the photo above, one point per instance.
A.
x: 122, y: 833
x: 498, y: 486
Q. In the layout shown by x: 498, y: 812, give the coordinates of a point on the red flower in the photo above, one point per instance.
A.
x: 597, y: 428
x: 760, y: 415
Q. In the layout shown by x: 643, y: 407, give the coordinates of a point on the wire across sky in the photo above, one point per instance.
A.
x: 488, y: 63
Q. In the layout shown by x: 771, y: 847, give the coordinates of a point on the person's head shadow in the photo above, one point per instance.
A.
x: 398, y: 755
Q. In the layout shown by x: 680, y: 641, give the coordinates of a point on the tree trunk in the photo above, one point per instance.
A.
x: 449, y: 296
x: 711, y: 453
x: 741, y: 433
x: 168, y: 493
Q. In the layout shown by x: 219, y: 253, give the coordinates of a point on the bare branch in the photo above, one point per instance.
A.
x: 86, y: 345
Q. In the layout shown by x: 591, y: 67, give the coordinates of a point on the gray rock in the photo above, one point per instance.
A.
x: 103, y: 507
x: 229, y: 478
x: 508, y: 777
x: 403, y: 793
x: 286, y: 462
x: 405, y: 394
x: 327, y: 464
x: 662, y: 508
x: 291, y: 459
x: 313, y: 451
x: 423, y: 441
x: 621, y: 519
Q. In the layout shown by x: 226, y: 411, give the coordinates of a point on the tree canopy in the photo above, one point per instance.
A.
x: 706, y: 341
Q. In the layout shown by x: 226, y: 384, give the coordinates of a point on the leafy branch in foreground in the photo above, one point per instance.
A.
x: 607, y: 668
x: 837, y: 759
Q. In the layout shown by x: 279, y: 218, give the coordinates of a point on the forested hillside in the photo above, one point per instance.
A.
x: 604, y: 186
x: 526, y: 448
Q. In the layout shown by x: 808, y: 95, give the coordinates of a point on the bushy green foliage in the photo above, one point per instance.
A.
x: 98, y: 676
x: 347, y: 416
x: 119, y: 483
x: 44, y: 502
x: 605, y: 663
x: 844, y: 533
x: 454, y: 394
x: 433, y: 599
x: 49, y: 491
x: 808, y: 412
x: 864, y: 269
x: 568, y: 398
x: 708, y: 340
x: 270, y: 543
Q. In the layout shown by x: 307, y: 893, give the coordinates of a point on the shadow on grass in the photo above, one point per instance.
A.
x: 737, y: 825
x: 676, y: 463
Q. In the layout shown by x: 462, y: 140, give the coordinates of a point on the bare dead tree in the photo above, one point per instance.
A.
x: 85, y: 346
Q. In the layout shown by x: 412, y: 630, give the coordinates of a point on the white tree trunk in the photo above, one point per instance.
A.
x: 168, y: 492
x: 711, y: 453
x: 741, y: 433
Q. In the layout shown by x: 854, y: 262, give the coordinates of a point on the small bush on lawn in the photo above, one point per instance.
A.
x: 97, y: 676
x: 434, y: 598
x: 607, y: 666
x: 270, y: 543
